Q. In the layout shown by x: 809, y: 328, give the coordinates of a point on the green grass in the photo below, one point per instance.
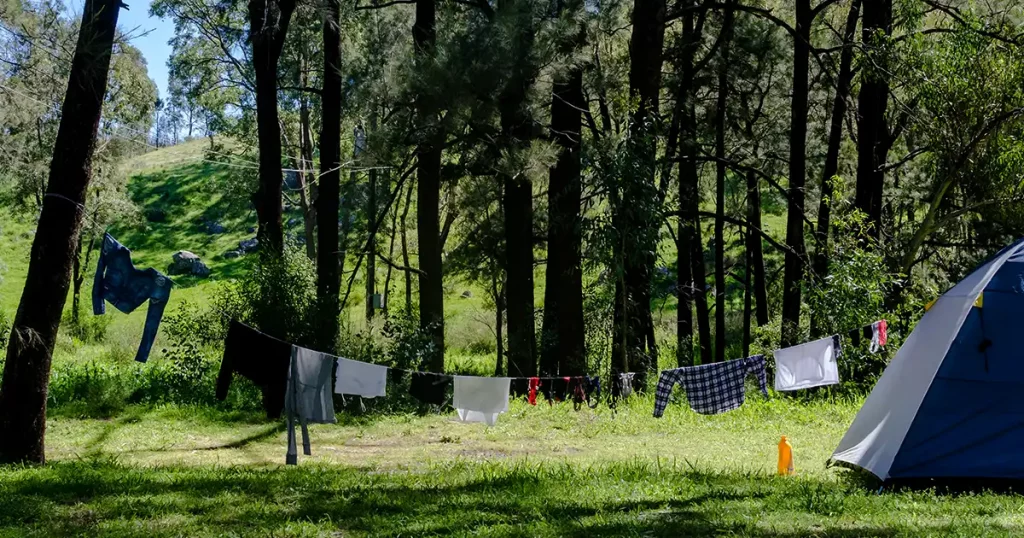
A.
x: 542, y: 471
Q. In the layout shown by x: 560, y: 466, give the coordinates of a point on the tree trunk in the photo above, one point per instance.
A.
x: 692, y: 274
x: 26, y: 376
x: 794, y: 266
x: 386, y: 300
x: 329, y: 252
x: 872, y: 128
x: 499, y: 321
x: 78, y: 273
x: 723, y: 94
x: 268, y: 21
x: 307, y: 179
x: 564, y: 346
x: 637, y: 205
x: 371, y: 243
x: 756, y: 250
x: 517, y: 201
x: 748, y: 294
x: 405, y: 253
x: 428, y: 196
x: 835, y: 139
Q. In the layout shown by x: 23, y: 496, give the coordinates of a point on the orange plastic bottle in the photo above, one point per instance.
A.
x: 785, y: 457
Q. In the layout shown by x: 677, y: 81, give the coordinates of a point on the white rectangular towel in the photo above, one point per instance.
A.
x: 307, y: 396
x: 808, y: 365
x: 361, y: 378
x: 480, y: 399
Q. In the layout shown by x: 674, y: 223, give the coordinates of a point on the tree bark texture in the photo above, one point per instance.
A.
x: 872, y: 128
x: 517, y: 200
x: 428, y: 195
x: 26, y: 376
x: 563, y: 346
x: 720, y: 171
x: 330, y: 255
x: 794, y: 264
x: 268, y: 22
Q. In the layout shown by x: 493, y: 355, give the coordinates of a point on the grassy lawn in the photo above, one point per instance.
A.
x: 542, y: 471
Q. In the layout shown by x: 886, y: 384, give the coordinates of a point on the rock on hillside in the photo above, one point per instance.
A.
x: 187, y: 263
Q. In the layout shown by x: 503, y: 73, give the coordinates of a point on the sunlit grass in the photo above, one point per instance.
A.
x: 542, y: 471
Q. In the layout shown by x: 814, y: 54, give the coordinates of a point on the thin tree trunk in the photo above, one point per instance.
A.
x: 756, y: 250
x: 391, y: 255
x: 307, y: 179
x: 794, y: 265
x: 872, y: 128
x: 26, y: 375
x: 268, y: 20
x: 405, y: 252
x: 563, y: 333
x: 748, y: 294
x: 692, y: 274
x: 499, y: 322
x: 329, y: 252
x: 428, y: 157
x: 835, y: 139
x: 371, y: 245
x: 723, y: 93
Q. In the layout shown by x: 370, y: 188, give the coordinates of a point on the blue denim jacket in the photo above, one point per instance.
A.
x: 126, y: 287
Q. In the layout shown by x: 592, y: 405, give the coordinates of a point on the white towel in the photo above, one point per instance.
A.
x: 361, y: 378
x: 308, y: 396
x: 480, y: 399
x: 808, y: 365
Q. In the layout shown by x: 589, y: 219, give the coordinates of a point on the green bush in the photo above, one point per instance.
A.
x: 87, y: 329
x: 852, y: 295
x: 5, y: 331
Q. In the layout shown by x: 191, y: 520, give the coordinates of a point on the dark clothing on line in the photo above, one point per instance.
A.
x: 262, y: 359
x: 430, y: 388
x: 854, y: 336
x: 593, y: 391
x: 555, y: 389
x: 126, y: 287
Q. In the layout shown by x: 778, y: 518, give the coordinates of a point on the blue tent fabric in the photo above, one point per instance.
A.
x: 971, y: 421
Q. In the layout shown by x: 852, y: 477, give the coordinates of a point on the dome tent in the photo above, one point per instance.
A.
x: 951, y: 402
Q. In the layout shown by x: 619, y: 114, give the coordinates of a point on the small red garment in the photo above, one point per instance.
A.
x: 534, y: 385
x: 882, y: 333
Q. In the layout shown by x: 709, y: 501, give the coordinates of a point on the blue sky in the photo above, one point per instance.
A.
x: 153, y: 45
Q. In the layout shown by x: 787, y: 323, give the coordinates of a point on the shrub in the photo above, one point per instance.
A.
x: 87, y: 328
x: 853, y: 294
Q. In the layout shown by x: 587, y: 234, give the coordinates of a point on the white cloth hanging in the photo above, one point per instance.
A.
x: 361, y: 378
x: 480, y: 399
x: 808, y: 365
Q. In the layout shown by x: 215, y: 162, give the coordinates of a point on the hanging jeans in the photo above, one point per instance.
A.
x: 126, y: 287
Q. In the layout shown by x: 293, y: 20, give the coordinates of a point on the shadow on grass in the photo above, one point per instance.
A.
x: 178, y: 203
x: 102, y: 498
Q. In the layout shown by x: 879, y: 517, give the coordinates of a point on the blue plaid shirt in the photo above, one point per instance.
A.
x: 711, y: 388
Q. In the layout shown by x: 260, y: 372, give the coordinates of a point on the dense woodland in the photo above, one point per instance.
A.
x: 771, y: 171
